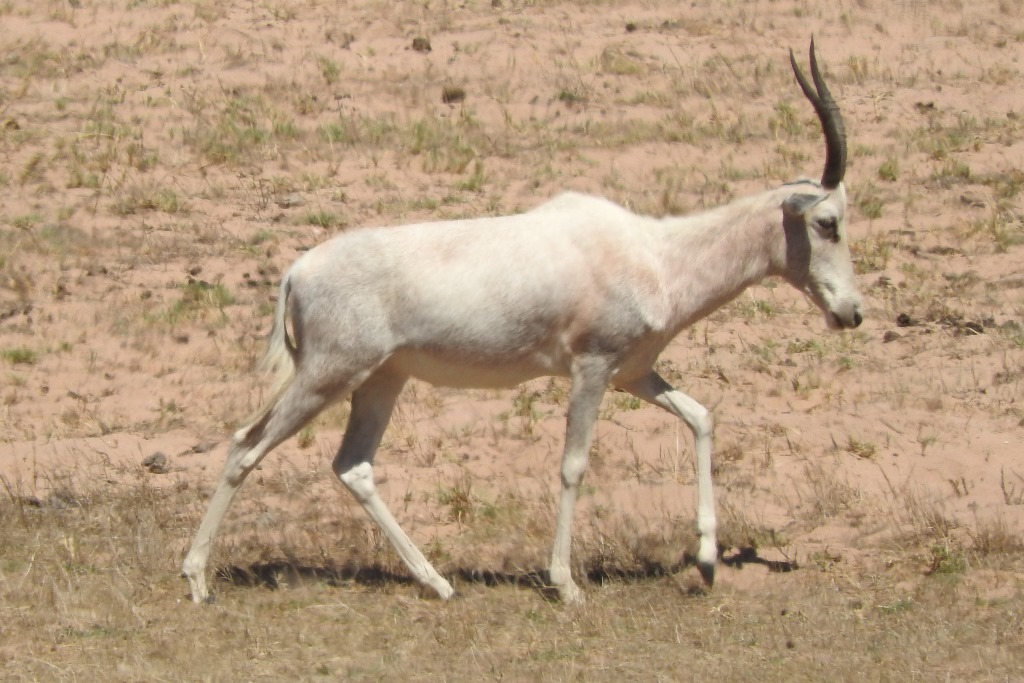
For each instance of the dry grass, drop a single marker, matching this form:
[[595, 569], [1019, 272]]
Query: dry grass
[[88, 590]]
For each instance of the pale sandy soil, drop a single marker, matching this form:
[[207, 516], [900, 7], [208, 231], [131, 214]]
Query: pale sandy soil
[[146, 146]]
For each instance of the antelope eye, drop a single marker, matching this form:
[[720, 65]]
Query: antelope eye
[[830, 227]]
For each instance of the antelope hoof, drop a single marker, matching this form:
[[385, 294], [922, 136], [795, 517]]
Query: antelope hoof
[[198, 591], [445, 592], [707, 572], [570, 594]]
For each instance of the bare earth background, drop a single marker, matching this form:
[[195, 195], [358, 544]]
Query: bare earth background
[[161, 163]]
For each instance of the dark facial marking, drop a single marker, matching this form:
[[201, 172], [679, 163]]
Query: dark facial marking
[[830, 227]]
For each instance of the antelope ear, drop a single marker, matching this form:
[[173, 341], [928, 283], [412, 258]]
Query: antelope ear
[[798, 204]]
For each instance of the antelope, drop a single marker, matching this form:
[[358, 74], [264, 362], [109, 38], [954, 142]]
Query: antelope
[[578, 287]]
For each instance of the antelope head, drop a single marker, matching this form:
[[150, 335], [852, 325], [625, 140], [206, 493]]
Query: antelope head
[[817, 259]]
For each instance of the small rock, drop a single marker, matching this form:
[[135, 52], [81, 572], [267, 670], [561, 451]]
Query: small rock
[[203, 447], [156, 463], [904, 320], [421, 44], [891, 336], [290, 200], [972, 200], [452, 94]]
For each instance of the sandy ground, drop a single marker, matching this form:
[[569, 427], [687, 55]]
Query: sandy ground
[[161, 165]]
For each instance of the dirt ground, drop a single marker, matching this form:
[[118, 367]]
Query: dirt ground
[[162, 163]]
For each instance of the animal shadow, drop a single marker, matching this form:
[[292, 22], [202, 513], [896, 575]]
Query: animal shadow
[[283, 574], [748, 555]]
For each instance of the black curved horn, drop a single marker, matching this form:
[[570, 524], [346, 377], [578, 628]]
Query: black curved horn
[[831, 121]]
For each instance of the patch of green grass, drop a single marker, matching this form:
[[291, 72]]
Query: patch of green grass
[[458, 498], [476, 180], [148, 197], [869, 201], [889, 170], [946, 560], [813, 346], [28, 58], [1005, 230], [325, 219], [261, 236], [1005, 185], [20, 356], [242, 131], [871, 254], [306, 437], [860, 448], [755, 308], [624, 401], [785, 121], [572, 95], [336, 132], [285, 129], [619, 62], [765, 352], [952, 172], [197, 298], [25, 221], [445, 146], [329, 69]]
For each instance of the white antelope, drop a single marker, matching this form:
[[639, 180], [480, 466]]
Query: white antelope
[[578, 287]]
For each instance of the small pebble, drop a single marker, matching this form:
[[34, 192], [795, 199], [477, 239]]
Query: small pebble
[[156, 463]]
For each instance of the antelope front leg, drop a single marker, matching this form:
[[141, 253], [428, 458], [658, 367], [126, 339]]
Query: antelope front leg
[[657, 391], [588, 383]]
